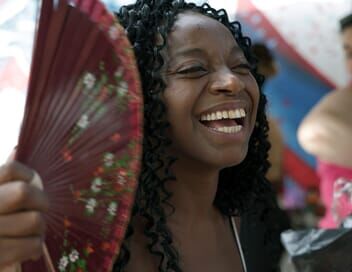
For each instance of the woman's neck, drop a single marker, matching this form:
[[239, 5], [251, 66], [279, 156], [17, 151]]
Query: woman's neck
[[193, 193]]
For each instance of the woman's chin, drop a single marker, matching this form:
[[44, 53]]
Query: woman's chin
[[229, 162]]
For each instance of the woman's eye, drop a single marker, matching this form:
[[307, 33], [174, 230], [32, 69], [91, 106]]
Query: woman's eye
[[192, 70], [243, 68]]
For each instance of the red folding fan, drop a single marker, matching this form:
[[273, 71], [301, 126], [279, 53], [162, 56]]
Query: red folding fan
[[82, 132]]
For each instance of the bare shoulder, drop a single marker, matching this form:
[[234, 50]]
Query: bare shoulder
[[333, 105], [328, 121], [337, 98]]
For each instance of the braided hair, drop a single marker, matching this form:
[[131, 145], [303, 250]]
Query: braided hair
[[147, 24]]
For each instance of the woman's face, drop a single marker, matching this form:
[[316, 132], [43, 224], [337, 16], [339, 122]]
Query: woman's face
[[211, 96]]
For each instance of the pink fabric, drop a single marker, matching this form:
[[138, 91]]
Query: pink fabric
[[328, 174]]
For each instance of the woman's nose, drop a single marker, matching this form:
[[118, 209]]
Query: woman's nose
[[226, 82]]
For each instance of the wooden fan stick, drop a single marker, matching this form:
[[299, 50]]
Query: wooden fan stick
[[42, 30], [37, 182], [48, 260]]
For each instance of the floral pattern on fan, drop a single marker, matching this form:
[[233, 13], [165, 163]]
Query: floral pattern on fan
[[72, 259], [89, 145], [98, 91], [124, 169]]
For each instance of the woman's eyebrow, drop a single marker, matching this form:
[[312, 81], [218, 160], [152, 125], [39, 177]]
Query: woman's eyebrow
[[199, 52]]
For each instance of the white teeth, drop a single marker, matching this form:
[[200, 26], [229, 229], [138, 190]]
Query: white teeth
[[219, 115], [229, 130], [243, 113], [237, 113]]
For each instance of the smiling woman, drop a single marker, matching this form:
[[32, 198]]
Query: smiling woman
[[208, 78], [205, 145], [202, 203]]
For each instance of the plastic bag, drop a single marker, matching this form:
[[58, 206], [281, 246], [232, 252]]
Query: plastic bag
[[342, 199], [319, 250]]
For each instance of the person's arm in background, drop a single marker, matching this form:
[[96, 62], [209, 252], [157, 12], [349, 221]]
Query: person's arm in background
[[326, 132]]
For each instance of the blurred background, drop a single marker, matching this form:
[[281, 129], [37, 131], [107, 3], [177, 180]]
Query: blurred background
[[303, 37]]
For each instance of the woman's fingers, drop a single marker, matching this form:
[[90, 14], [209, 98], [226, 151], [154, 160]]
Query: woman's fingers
[[16, 192], [32, 224], [15, 171], [22, 225], [19, 250], [18, 196]]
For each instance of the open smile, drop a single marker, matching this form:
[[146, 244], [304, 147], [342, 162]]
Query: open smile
[[229, 121]]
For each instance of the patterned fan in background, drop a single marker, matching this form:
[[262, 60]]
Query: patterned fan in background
[[82, 132]]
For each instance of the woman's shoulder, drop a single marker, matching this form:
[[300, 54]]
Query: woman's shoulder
[[339, 95], [333, 105]]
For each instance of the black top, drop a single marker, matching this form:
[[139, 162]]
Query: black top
[[260, 237]]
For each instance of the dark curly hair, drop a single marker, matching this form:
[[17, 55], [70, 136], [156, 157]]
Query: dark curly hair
[[345, 22], [144, 21]]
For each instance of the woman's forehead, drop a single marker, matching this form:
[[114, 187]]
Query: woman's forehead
[[194, 30], [193, 23]]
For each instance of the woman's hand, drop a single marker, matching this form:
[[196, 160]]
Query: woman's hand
[[22, 205]]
